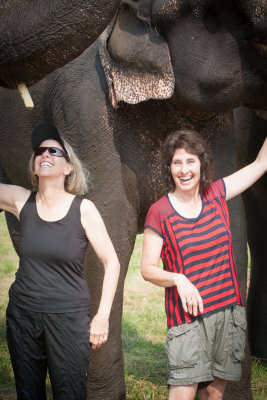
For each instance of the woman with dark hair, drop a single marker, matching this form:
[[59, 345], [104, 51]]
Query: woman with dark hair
[[191, 142], [189, 229], [48, 321]]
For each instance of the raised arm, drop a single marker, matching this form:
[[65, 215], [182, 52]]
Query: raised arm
[[97, 235], [245, 177], [152, 246], [12, 198]]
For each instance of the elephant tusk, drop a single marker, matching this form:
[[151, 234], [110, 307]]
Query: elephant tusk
[[25, 94]]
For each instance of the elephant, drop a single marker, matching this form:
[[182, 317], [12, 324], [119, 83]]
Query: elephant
[[250, 129], [30, 51], [158, 66]]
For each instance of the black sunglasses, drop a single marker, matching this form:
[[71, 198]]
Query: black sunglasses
[[53, 151]]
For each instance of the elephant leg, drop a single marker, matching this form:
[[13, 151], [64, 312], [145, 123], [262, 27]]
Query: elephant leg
[[106, 376], [226, 163], [255, 203], [240, 390], [251, 127], [257, 297]]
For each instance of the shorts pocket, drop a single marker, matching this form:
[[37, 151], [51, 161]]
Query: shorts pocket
[[182, 346], [239, 333]]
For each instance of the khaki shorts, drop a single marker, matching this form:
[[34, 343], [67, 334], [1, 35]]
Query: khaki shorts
[[208, 347]]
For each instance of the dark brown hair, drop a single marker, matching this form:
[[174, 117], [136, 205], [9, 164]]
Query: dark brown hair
[[192, 142]]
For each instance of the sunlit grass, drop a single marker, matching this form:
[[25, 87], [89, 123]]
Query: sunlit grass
[[259, 379]]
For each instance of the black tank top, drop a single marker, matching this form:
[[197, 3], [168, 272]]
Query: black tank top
[[50, 275]]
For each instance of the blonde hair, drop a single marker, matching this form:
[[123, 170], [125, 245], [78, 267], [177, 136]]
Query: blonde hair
[[77, 182]]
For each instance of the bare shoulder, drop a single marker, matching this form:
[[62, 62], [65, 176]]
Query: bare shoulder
[[13, 189], [13, 198], [20, 196], [89, 212], [87, 206], [91, 220], [19, 192]]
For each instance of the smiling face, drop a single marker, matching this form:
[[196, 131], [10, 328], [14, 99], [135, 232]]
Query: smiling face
[[49, 165], [185, 170]]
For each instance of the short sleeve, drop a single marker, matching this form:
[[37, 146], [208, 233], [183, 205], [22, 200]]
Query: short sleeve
[[153, 220], [215, 190]]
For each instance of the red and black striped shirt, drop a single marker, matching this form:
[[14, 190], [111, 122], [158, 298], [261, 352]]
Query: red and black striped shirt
[[201, 249]]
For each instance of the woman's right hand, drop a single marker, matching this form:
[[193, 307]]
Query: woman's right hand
[[190, 297], [99, 328]]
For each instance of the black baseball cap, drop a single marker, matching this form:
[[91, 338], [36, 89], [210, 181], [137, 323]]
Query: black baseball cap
[[44, 132]]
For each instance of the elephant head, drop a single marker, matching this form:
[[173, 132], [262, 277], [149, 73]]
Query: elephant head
[[38, 36], [212, 54]]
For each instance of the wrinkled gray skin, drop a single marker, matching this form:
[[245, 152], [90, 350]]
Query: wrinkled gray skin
[[116, 103], [38, 36], [251, 129]]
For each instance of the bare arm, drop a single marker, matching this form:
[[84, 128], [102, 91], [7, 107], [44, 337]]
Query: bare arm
[[98, 237], [188, 293], [245, 177], [13, 198]]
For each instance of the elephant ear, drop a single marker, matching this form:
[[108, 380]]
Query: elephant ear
[[136, 61]]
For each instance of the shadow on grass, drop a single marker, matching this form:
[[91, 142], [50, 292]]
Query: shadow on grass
[[143, 358]]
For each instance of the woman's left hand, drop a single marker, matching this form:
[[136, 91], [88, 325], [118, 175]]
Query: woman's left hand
[[98, 331]]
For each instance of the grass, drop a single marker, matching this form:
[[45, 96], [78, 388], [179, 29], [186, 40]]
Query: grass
[[143, 337], [8, 267], [143, 334], [259, 379]]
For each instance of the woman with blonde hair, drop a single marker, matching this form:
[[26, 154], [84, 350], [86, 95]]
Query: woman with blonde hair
[[48, 322]]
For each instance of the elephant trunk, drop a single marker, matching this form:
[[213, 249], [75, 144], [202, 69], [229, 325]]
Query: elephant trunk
[[38, 36]]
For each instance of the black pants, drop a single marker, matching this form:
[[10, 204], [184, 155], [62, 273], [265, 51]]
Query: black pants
[[58, 343]]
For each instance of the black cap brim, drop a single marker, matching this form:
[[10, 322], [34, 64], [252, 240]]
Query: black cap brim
[[44, 132]]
